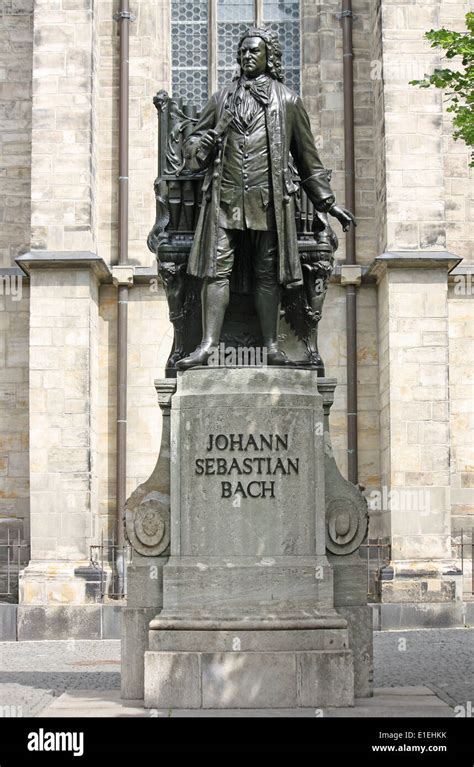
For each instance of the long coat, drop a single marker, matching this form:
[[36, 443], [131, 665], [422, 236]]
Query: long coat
[[288, 130]]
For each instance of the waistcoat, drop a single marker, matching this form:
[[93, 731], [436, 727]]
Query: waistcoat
[[246, 191]]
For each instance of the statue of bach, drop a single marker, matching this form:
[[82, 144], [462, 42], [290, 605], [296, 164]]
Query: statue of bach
[[248, 137]]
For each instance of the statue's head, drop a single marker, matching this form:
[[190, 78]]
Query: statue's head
[[259, 52]]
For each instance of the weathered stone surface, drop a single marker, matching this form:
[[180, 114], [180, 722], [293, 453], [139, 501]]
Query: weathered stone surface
[[325, 679], [49, 582], [212, 404], [247, 591], [135, 621], [144, 600], [360, 624], [8, 621], [350, 580], [14, 404], [423, 590], [222, 641], [111, 621], [350, 600], [16, 63], [469, 615], [245, 585], [145, 582], [58, 622], [428, 615], [248, 680], [239, 552], [147, 511], [172, 680]]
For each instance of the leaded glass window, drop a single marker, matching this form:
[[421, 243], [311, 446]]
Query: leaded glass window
[[283, 17], [233, 18], [204, 36], [189, 49]]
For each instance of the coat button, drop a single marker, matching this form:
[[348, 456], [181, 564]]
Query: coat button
[[246, 187], [217, 161], [215, 175], [286, 199]]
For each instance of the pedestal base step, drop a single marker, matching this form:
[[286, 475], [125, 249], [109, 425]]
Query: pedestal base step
[[271, 679]]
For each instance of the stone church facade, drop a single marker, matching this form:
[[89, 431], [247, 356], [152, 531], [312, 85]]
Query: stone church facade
[[59, 283]]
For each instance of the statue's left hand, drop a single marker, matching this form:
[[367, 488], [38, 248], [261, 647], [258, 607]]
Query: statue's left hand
[[345, 217]]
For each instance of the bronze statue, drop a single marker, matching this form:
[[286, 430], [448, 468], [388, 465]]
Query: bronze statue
[[247, 138]]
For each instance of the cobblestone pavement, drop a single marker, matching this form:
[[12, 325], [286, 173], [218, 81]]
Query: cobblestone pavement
[[32, 674], [442, 659]]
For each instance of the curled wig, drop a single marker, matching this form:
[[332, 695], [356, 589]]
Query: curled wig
[[273, 48]]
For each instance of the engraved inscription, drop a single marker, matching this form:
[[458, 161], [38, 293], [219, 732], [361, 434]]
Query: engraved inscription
[[256, 470]]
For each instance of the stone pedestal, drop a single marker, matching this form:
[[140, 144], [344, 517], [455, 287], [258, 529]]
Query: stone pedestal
[[147, 526], [248, 617]]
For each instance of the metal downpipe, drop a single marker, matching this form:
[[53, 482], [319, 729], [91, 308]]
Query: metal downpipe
[[351, 305], [123, 18]]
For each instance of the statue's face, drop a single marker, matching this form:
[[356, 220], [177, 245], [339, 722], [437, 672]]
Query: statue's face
[[253, 56]]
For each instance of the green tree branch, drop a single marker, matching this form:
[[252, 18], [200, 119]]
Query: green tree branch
[[458, 84]]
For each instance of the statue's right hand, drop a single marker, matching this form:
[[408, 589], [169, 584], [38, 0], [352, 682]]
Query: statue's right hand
[[208, 141]]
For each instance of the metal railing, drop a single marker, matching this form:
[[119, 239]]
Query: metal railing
[[14, 556], [377, 554], [111, 560], [464, 550]]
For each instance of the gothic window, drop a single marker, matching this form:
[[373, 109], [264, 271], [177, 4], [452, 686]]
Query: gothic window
[[204, 34]]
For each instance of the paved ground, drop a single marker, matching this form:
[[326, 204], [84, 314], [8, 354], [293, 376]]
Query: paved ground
[[34, 674], [393, 702], [443, 659]]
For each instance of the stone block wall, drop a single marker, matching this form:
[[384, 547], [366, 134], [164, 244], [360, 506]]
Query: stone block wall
[[461, 403], [16, 61], [383, 327], [149, 344], [322, 90], [107, 128], [149, 72], [415, 404], [14, 409], [376, 72], [64, 386], [107, 410], [332, 343], [63, 152], [427, 174], [458, 176]]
